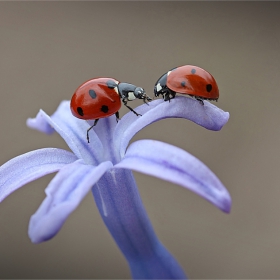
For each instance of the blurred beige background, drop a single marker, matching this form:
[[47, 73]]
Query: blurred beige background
[[48, 49]]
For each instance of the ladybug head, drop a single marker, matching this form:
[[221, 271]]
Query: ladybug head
[[160, 86], [141, 94], [158, 90]]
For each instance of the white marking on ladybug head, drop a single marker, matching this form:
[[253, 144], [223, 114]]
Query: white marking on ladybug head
[[116, 90], [130, 95], [159, 87]]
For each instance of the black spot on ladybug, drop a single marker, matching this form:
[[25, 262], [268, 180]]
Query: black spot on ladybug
[[111, 84], [193, 71], [80, 111], [92, 93], [208, 87], [183, 83], [104, 109]]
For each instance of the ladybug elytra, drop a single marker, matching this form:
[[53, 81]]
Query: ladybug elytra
[[187, 79]]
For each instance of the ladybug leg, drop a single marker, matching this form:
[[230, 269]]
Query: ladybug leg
[[125, 104], [147, 98], [169, 94], [200, 100], [166, 97], [94, 124], [172, 93], [117, 114]]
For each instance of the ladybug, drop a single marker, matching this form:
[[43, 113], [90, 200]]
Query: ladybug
[[187, 79], [101, 97]]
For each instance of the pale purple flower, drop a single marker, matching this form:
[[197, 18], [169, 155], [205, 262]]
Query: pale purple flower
[[104, 166]]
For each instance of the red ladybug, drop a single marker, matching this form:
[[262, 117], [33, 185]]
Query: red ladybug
[[187, 79], [101, 97]]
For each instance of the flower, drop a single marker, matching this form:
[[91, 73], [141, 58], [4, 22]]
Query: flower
[[104, 166]]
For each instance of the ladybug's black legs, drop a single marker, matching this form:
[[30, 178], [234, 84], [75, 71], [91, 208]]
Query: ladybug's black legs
[[200, 100], [94, 124], [168, 94], [125, 104], [117, 114]]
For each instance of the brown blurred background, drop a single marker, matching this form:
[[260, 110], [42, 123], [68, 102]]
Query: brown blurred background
[[48, 49]]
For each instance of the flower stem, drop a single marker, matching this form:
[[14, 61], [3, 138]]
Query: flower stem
[[119, 203]]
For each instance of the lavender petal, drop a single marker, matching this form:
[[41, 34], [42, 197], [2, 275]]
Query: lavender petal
[[30, 166], [64, 194], [173, 164], [208, 115], [72, 130], [119, 203]]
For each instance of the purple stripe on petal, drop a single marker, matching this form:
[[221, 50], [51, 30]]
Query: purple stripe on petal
[[208, 115], [64, 194], [173, 164], [30, 166]]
